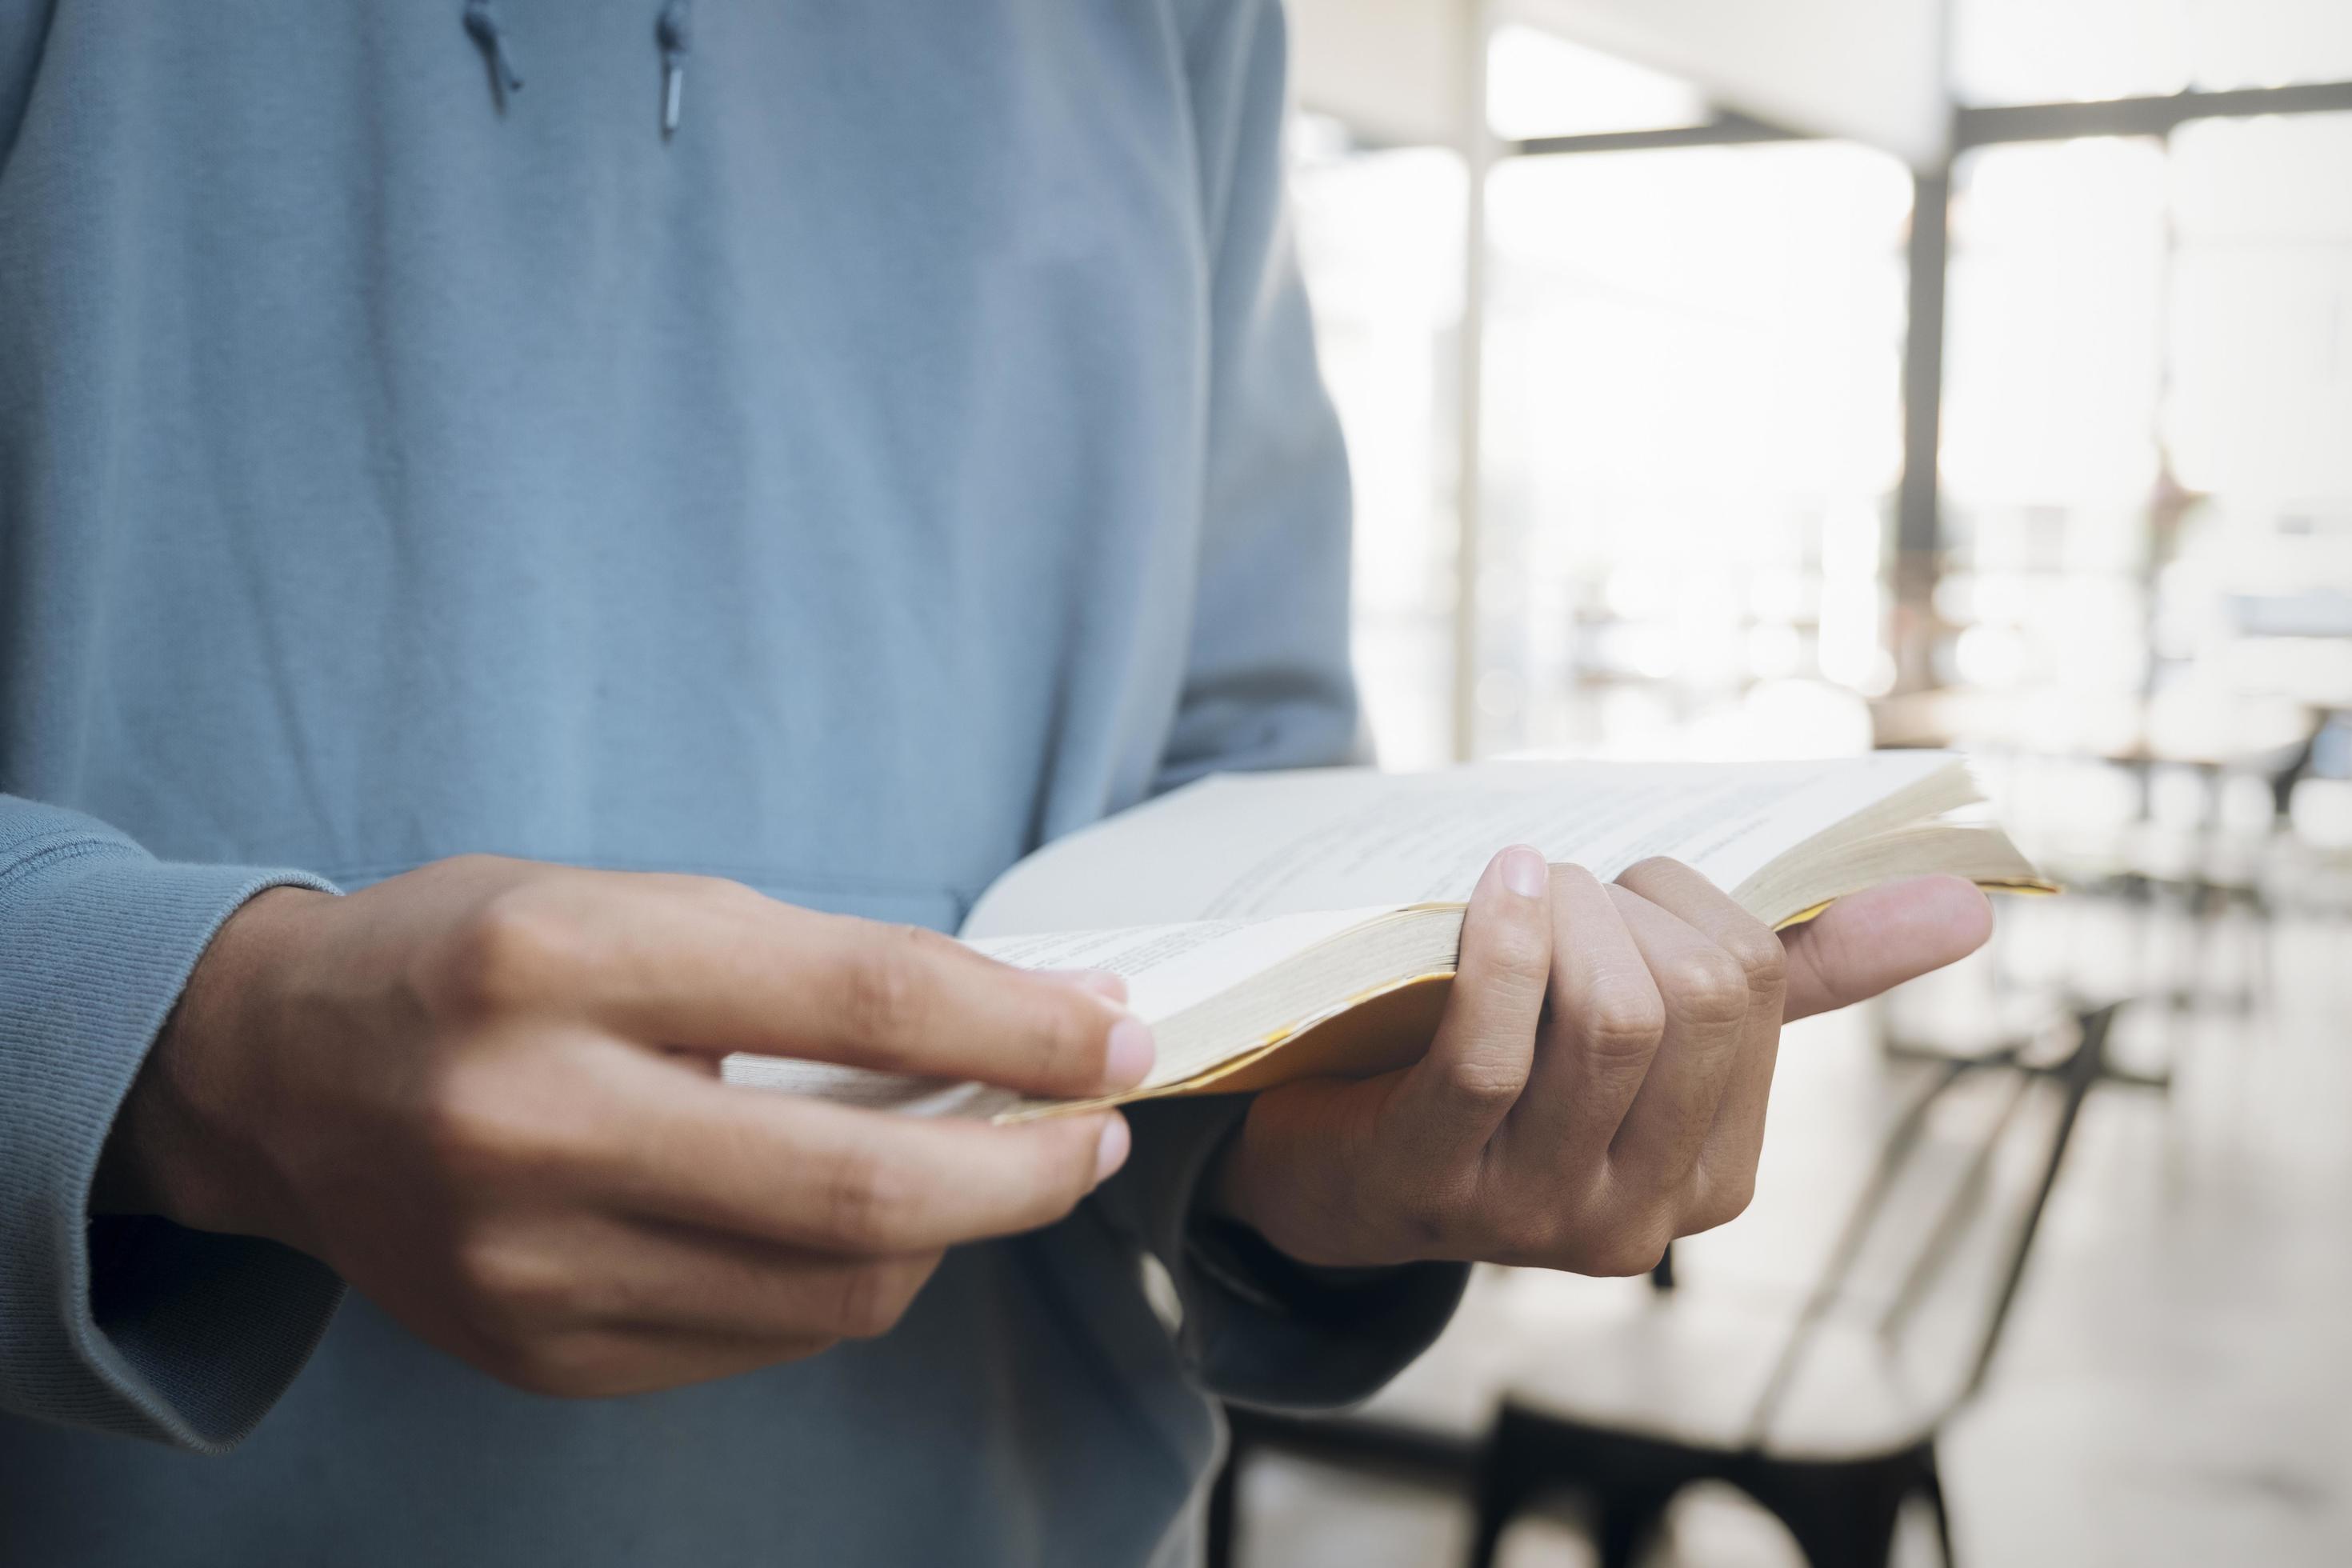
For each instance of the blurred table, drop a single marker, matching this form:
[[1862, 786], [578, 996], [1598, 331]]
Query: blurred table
[[2187, 726]]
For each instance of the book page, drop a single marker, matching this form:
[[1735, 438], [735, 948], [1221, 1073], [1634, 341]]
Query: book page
[[1239, 846]]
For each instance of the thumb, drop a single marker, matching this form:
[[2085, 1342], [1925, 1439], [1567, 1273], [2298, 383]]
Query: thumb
[[1873, 941], [1460, 1091]]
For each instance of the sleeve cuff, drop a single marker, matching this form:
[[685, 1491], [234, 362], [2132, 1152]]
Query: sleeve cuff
[[1260, 1327], [130, 1325]]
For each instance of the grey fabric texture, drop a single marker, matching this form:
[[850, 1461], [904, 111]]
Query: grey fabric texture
[[99, 939], [915, 454], [1286, 1336]]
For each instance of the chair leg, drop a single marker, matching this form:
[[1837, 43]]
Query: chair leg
[[1625, 1522], [1860, 1538], [1502, 1487], [1223, 1525], [1844, 1517], [1931, 1486]]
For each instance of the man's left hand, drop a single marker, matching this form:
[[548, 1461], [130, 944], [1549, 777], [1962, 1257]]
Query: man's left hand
[[1598, 1085]]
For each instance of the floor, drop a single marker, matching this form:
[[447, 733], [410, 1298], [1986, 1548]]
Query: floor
[[2175, 1385]]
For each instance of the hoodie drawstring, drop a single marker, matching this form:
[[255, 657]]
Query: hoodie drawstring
[[673, 32], [482, 27]]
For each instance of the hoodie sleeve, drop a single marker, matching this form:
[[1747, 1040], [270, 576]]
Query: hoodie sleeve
[[1258, 1327], [127, 1325], [1267, 685]]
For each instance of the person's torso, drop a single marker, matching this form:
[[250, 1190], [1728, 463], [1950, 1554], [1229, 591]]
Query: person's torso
[[808, 498]]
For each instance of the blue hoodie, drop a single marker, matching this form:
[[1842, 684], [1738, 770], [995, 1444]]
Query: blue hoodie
[[834, 446]]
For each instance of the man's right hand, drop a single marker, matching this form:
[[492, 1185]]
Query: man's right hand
[[487, 1094]]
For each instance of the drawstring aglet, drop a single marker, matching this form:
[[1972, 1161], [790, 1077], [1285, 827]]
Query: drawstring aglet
[[482, 27], [674, 31]]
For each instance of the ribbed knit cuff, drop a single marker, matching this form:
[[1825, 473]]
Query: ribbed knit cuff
[[181, 1336], [1260, 1327]]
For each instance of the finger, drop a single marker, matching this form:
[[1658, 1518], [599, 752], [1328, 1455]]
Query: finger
[[1600, 1030], [1706, 1006], [1727, 1161], [1871, 941], [834, 1178], [1454, 1097], [709, 966], [1102, 983]]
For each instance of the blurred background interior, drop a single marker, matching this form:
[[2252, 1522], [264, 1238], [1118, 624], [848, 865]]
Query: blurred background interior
[[1751, 378]]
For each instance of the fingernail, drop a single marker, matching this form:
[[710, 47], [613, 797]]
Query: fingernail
[[1131, 1054], [1110, 1153], [1101, 981], [1524, 873]]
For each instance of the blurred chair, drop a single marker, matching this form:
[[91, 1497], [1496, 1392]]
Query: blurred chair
[[2179, 852], [1830, 1420]]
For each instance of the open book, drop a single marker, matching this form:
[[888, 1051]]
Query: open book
[[1278, 926]]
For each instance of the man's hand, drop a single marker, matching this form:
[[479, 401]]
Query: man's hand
[[1598, 1085], [486, 1094]]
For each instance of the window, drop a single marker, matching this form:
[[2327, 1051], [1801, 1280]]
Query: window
[[1691, 400], [1693, 382], [1380, 239], [2052, 371], [2061, 51]]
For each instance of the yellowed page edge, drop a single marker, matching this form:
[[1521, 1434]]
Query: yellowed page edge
[[1359, 1038]]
